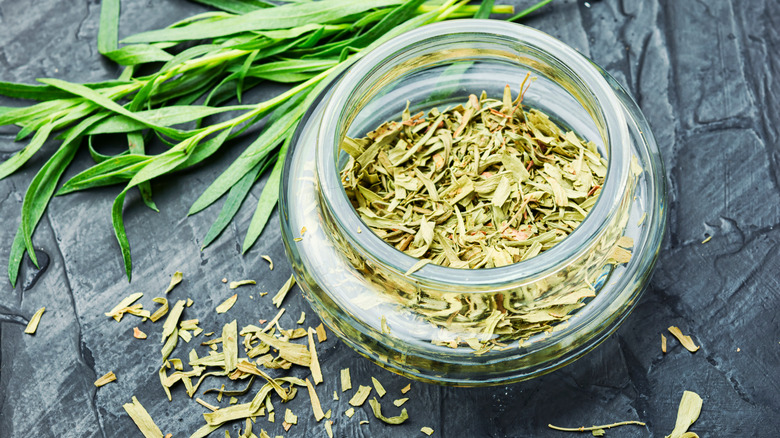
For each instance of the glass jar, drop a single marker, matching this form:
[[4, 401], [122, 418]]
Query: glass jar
[[430, 325]]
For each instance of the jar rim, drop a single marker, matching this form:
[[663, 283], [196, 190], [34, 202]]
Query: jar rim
[[372, 247]]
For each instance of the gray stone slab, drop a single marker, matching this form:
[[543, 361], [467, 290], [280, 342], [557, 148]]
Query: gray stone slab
[[705, 74]]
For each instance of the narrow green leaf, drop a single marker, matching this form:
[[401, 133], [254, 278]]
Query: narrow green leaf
[[400, 14], [234, 200], [114, 170], [529, 10], [237, 6], [274, 132], [166, 116], [135, 144], [484, 9], [39, 194], [40, 110], [205, 150], [18, 159], [268, 197], [242, 74], [282, 17], [109, 26], [45, 92], [159, 165], [99, 99], [135, 54]]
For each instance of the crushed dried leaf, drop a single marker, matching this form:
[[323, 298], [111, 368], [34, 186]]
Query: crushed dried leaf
[[175, 279], [227, 304], [32, 325], [105, 378], [236, 284], [142, 419], [377, 409], [685, 340]]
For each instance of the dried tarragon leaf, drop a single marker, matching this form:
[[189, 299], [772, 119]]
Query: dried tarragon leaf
[[105, 378], [32, 325], [685, 340], [279, 297], [349, 412], [230, 345], [399, 402], [378, 386], [159, 313], [377, 408], [270, 262], [227, 304], [175, 279], [321, 335], [138, 334], [360, 396], [406, 388], [687, 414], [315, 401], [596, 430], [142, 419], [316, 373], [346, 381], [236, 284], [663, 343], [427, 430], [120, 309]]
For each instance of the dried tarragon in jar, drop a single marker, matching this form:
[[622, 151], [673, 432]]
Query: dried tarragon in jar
[[481, 185]]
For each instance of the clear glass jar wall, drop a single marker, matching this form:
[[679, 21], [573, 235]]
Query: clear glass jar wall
[[409, 324]]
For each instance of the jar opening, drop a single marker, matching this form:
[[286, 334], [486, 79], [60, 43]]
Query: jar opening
[[433, 66]]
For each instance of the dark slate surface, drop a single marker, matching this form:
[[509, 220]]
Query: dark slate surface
[[704, 73]]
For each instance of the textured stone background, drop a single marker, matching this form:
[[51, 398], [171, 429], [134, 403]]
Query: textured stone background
[[706, 76]]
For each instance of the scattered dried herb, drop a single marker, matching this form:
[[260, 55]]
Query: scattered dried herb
[[32, 325], [289, 417], [595, 429], [120, 309], [105, 378], [227, 304], [687, 414], [321, 335], [270, 262], [302, 318], [142, 419], [236, 284], [360, 396], [427, 430], [377, 409], [329, 428], [378, 387], [316, 373], [685, 340], [205, 404], [707, 239], [406, 388], [315, 401], [159, 313], [663, 343], [399, 402], [349, 412], [346, 381], [138, 334], [176, 278], [279, 297]]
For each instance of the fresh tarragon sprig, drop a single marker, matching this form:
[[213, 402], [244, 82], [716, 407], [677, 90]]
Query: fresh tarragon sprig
[[229, 51]]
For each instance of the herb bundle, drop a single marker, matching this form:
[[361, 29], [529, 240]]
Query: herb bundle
[[198, 65], [483, 185]]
